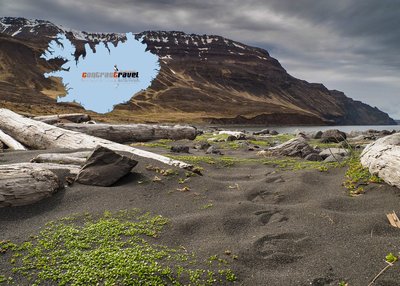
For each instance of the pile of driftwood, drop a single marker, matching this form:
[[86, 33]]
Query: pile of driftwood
[[25, 183]]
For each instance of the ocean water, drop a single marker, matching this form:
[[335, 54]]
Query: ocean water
[[309, 129]]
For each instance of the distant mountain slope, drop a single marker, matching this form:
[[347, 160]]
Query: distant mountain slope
[[202, 78]]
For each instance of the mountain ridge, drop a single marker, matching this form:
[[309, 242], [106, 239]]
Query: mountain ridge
[[203, 78]]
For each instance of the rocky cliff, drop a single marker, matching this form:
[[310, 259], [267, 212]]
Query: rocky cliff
[[203, 78]]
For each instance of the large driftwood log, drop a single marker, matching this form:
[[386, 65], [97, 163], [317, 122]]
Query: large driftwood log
[[26, 183], [76, 158], [11, 142], [382, 158], [40, 135], [128, 133], [73, 117]]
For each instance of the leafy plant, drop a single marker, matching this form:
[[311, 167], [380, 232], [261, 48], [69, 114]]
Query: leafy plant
[[357, 175], [391, 258], [114, 249]]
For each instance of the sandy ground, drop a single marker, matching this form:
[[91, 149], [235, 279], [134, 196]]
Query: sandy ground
[[286, 227]]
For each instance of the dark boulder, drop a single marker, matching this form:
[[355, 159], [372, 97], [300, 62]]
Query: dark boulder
[[213, 150], [273, 132], [333, 136], [180, 149], [318, 135], [104, 167], [313, 157]]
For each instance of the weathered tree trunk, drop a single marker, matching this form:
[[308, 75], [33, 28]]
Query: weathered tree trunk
[[76, 158], [382, 158], [133, 132], [40, 135], [27, 183], [73, 117], [11, 142]]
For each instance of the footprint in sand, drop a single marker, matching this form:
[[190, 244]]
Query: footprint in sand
[[282, 248], [267, 216], [265, 196]]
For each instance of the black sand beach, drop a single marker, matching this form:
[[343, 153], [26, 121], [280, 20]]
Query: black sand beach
[[285, 227]]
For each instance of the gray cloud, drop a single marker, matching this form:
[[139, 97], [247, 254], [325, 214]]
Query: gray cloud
[[349, 45]]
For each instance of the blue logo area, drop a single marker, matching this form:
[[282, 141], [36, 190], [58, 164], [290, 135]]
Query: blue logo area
[[105, 78]]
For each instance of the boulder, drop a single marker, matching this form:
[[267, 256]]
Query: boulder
[[334, 158], [333, 135], [261, 132], [104, 167], [318, 135], [180, 149], [296, 147], [202, 146], [213, 150], [231, 138], [273, 132], [334, 151], [313, 157], [382, 158]]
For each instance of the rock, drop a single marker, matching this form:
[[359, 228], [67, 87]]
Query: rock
[[296, 147], [386, 132], [314, 157], [335, 151], [104, 167], [231, 138], [180, 149], [334, 158], [239, 135], [273, 132], [318, 135], [382, 158], [261, 132], [213, 150], [202, 146], [333, 135], [2, 147]]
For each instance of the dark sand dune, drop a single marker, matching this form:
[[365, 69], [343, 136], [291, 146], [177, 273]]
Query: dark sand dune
[[287, 228]]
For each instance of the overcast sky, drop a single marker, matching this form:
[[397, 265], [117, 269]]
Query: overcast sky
[[348, 45]]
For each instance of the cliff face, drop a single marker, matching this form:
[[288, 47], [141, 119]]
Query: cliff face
[[202, 78]]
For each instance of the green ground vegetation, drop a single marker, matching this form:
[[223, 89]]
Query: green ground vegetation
[[112, 249], [357, 176]]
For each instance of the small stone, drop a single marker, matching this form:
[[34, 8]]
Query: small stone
[[180, 149], [314, 157]]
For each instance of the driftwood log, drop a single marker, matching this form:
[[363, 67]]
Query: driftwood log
[[11, 143], [382, 158], [73, 117], [76, 158], [40, 135], [128, 133], [26, 183]]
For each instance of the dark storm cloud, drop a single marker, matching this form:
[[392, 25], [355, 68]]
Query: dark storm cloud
[[350, 45]]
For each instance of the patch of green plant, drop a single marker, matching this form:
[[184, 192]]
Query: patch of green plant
[[357, 176], [162, 143], [284, 163], [113, 249], [207, 206], [391, 258], [206, 136], [318, 143]]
